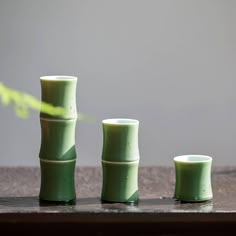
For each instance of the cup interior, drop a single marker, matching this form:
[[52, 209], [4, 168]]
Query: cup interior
[[120, 121], [58, 77], [192, 158]]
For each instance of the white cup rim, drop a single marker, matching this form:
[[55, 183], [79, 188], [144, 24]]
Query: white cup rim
[[58, 77], [192, 158], [120, 121]]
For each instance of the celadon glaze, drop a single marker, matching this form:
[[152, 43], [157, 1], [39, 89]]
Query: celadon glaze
[[120, 182], [60, 91], [120, 160], [120, 140], [57, 151], [57, 180], [193, 178], [58, 139]]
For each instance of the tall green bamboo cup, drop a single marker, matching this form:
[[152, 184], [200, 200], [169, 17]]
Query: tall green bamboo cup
[[193, 178], [57, 151], [120, 160]]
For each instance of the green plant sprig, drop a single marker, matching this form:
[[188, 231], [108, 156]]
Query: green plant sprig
[[23, 102]]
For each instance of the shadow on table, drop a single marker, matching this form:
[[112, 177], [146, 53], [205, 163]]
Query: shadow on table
[[157, 201], [95, 203], [31, 201], [226, 172]]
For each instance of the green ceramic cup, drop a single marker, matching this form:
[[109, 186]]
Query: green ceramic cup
[[120, 160], [120, 182], [120, 140], [193, 178], [57, 181], [60, 91], [57, 150], [57, 139]]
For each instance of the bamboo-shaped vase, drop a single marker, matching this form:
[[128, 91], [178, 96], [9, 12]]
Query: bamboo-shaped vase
[[57, 151]]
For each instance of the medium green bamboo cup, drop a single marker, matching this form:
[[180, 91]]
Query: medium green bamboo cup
[[120, 181], [193, 178], [57, 181], [120, 140], [120, 160], [60, 91], [57, 139]]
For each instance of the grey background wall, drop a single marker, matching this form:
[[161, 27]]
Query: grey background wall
[[170, 64]]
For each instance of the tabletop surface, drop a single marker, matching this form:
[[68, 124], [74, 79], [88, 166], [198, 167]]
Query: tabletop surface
[[19, 189]]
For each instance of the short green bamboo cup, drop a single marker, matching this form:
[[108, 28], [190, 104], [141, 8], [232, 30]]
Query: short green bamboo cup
[[57, 181], [120, 140], [120, 182], [57, 139], [193, 178], [59, 91]]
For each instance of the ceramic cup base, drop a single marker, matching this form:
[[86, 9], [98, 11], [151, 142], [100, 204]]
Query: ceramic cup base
[[193, 200], [120, 182], [57, 181], [57, 203], [130, 203]]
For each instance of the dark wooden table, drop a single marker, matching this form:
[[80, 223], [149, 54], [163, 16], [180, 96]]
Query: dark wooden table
[[157, 213]]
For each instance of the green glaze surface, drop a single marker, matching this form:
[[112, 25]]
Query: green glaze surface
[[57, 139], [57, 181], [193, 178], [57, 150], [60, 91], [120, 182], [120, 140]]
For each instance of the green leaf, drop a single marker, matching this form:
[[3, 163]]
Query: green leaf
[[23, 102]]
